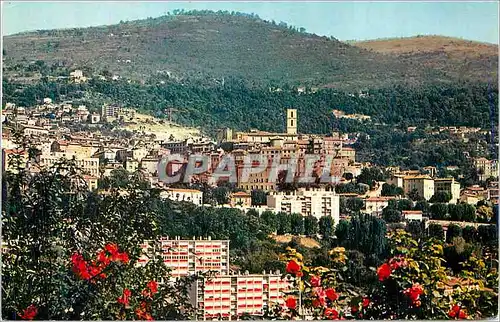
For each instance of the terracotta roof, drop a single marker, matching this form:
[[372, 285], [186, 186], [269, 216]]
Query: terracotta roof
[[183, 190], [241, 194]]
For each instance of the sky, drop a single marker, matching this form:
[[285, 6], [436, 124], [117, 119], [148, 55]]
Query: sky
[[343, 20]]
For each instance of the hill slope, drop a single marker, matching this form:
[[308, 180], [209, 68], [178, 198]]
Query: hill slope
[[457, 57], [214, 45]]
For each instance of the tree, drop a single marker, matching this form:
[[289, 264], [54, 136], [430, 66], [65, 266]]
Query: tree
[[326, 227], [488, 235], [221, 195], [415, 228], [391, 215], [259, 197], [452, 232], [270, 220], [355, 204], [439, 211], [414, 195], [310, 225], [284, 223], [342, 231], [391, 190], [79, 250], [436, 231], [405, 204], [469, 233], [422, 205], [297, 224], [440, 196], [370, 176]]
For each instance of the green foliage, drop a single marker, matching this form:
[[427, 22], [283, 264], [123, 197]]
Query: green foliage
[[440, 196], [326, 227], [452, 232], [363, 233], [439, 211], [259, 197], [391, 190], [310, 226], [436, 231], [369, 176], [50, 217], [391, 215]]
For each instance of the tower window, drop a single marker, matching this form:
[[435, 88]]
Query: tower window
[[291, 122], [291, 113]]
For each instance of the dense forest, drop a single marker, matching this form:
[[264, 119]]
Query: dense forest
[[241, 107]]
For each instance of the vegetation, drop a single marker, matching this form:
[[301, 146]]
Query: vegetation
[[209, 46]]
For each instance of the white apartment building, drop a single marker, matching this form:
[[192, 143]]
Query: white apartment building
[[186, 257], [88, 165], [228, 297], [178, 194], [315, 202]]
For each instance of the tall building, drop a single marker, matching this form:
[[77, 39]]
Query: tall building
[[220, 294], [291, 121], [188, 257], [422, 184], [228, 297]]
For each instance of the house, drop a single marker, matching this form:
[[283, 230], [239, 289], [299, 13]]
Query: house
[[178, 194], [375, 205], [423, 185], [448, 185], [412, 215], [242, 199]]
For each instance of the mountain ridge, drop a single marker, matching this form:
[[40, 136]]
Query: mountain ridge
[[214, 45]]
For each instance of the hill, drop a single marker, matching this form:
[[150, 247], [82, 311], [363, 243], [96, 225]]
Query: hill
[[458, 57], [208, 45]]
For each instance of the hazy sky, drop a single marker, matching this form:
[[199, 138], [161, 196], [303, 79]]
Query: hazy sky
[[343, 20]]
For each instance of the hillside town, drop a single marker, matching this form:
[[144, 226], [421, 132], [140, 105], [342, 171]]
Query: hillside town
[[213, 165]]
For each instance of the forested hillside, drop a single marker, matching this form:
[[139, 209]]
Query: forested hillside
[[213, 45]]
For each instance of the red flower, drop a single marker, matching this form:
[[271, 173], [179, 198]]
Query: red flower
[[315, 281], [292, 267], [454, 311], [123, 257], [299, 274], [366, 302], [29, 313], [414, 292], [462, 315], [112, 249], [103, 258], [331, 294], [383, 272], [316, 303], [354, 309], [331, 313], [397, 262], [124, 299], [153, 286], [80, 266], [290, 302]]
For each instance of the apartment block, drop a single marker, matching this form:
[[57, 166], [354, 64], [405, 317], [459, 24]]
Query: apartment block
[[306, 201], [89, 165], [228, 297], [187, 257]]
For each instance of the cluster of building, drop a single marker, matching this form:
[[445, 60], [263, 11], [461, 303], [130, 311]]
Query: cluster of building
[[222, 294]]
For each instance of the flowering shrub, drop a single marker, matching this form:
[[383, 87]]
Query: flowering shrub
[[70, 254], [412, 283]]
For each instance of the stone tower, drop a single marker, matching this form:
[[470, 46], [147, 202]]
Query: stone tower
[[291, 121]]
